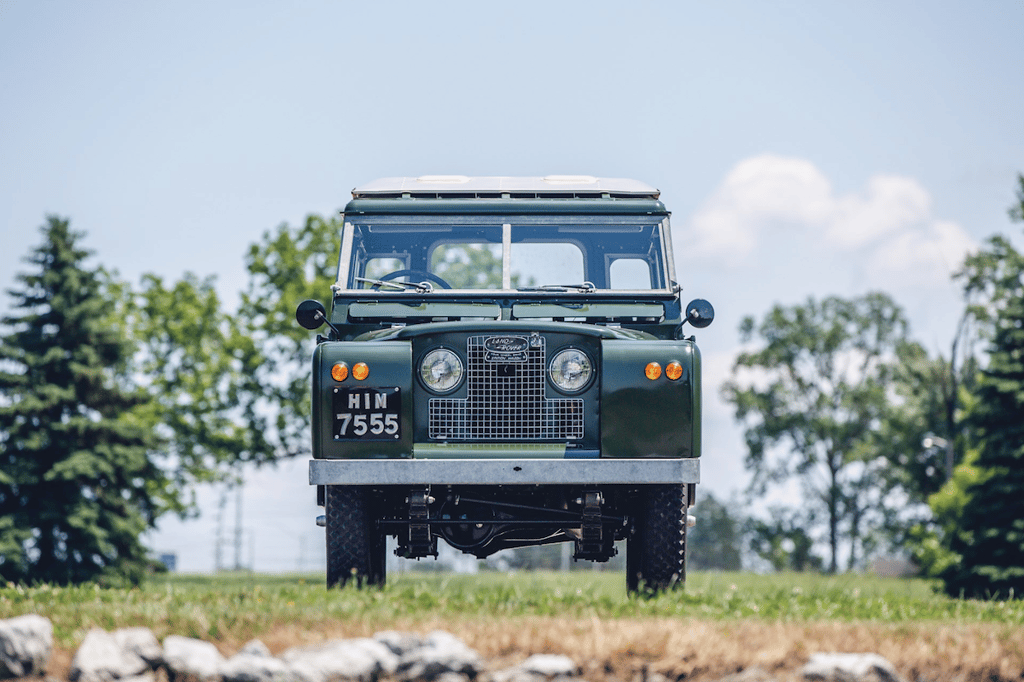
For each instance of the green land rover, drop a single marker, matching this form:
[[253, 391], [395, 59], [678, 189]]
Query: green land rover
[[507, 365]]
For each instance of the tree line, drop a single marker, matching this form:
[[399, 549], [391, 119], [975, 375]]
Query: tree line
[[887, 447], [117, 399]]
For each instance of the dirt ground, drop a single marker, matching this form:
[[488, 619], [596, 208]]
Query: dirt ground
[[617, 650]]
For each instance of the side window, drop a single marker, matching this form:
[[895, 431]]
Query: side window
[[630, 273]]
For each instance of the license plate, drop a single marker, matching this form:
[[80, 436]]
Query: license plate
[[367, 414]]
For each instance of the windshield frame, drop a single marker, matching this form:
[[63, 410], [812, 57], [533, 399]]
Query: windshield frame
[[508, 224]]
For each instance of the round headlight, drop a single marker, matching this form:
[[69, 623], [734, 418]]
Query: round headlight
[[441, 370], [570, 370]]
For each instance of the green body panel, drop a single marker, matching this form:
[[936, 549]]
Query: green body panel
[[395, 309], [390, 365], [645, 418], [638, 418], [697, 416], [505, 207]]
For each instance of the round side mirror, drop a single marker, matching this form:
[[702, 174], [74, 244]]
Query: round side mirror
[[311, 314], [700, 313]]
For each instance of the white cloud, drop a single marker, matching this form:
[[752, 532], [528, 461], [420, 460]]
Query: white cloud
[[922, 257], [888, 206], [760, 193], [886, 231]]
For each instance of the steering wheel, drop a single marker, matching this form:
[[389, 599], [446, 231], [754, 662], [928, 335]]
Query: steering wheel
[[415, 273]]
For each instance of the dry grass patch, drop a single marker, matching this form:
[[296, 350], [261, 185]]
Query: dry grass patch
[[685, 649], [720, 624]]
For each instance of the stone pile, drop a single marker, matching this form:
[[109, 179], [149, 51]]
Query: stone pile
[[135, 655]]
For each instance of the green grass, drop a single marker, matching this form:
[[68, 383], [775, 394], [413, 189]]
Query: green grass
[[237, 606]]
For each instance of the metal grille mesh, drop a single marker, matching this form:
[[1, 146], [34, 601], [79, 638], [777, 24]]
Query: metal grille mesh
[[505, 401]]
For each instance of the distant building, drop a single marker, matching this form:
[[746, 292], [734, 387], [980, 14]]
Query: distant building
[[169, 560], [893, 567]]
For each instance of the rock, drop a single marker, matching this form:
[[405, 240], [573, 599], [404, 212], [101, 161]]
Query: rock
[[549, 666], [342, 659], [651, 676], [246, 667], [26, 643], [539, 668], [439, 653], [400, 643], [141, 642], [255, 648], [849, 668], [191, 660], [101, 658]]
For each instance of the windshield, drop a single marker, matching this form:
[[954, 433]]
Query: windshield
[[526, 253]]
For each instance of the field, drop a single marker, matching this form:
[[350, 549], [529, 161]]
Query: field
[[721, 623]]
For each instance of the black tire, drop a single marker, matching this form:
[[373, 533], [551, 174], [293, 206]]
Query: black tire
[[656, 549], [355, 547]]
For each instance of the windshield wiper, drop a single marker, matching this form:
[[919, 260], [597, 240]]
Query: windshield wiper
[[425, 287], [584, 287]]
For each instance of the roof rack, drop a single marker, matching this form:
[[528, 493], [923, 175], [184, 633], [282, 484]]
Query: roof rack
[[497, 187]]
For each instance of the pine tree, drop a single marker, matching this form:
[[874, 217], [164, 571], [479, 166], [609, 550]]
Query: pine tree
[[78, 481], [990, 538]]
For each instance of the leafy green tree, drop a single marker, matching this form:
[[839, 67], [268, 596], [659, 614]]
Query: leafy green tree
[[783, 542], [193, 354], [988, 541], [715, 543], [922, 434], [288, 266], [812, 396], [922, 422], [78, 483], [930, 541]]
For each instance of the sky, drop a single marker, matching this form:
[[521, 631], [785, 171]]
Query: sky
[[805, 149]]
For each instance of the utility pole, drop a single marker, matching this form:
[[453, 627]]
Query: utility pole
[[238, 527], [218, 545]]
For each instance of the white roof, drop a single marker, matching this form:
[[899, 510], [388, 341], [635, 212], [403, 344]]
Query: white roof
[[441, 185]]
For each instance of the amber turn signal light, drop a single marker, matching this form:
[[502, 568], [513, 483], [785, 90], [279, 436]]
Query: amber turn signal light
[[339, 372], [360, 371], [653, 370], [673, 370]]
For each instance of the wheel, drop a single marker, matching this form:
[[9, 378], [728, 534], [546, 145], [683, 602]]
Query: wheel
[[411, 274], [656, 549], [355, 547]]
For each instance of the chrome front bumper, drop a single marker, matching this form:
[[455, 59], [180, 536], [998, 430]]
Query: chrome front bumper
[[502, 471]]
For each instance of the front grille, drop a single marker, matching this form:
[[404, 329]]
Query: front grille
[[505, 396]]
